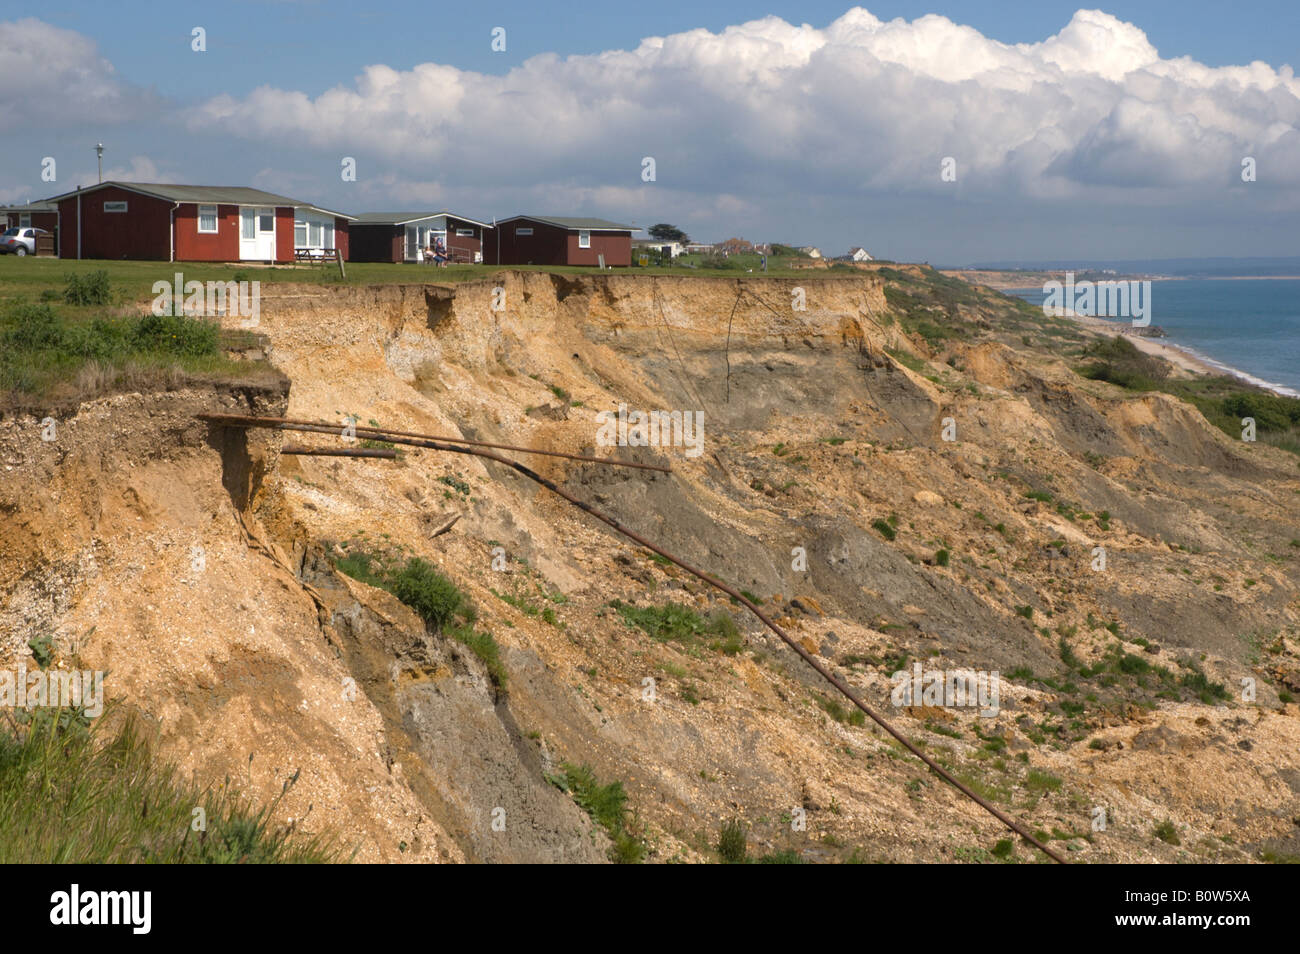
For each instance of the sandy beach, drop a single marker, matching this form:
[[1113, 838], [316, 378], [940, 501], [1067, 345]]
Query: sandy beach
[[1179, 357]]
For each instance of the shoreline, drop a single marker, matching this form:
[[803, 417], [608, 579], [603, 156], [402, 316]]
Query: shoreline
[[1180, 356]]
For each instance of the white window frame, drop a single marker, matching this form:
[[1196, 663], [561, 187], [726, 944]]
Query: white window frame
[[115, 207], [300, 224], [525, 231], [464, 233], [216, 219], [584, 238]]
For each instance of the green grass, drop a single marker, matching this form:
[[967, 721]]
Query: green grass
[[443, 606], [607, 807], [732, 847], [58, 352], [87, 796], [1167, 833], [676, 623], [30, 276], [884, 529]]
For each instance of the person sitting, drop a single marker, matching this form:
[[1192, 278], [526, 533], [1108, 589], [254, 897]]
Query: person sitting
[[426, 255], [439, 252]]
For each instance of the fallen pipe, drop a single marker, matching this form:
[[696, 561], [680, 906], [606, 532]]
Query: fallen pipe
[[374, 433], [339, 451], [735, 594]]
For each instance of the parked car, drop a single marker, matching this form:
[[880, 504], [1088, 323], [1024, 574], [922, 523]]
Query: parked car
[[19, 241]]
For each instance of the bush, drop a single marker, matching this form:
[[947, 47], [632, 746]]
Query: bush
[[434, 597], [1167, 833], [1272, 412], [943, 558], [1121, 362], [92, 288], [33, 327], [681, 623], [607, 807], [177, 334], [884, 529], [731, 842]]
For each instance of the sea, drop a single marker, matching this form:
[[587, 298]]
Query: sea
[[1247, 327]]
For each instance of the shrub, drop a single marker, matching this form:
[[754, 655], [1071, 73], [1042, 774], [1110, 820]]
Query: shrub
[[884, 529], [607, 806], [681, 623], [434, 597], [92, 288], [731, 842], [942, 557], [177, 334], [1167, 833]]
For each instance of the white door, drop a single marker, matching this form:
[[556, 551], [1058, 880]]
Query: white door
[[412, 244], [257, 234]]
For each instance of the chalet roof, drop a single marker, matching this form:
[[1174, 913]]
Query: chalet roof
[[205, 195], [572, 224], [405, 218]]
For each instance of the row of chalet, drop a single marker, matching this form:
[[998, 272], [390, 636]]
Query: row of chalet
[[183, 223]]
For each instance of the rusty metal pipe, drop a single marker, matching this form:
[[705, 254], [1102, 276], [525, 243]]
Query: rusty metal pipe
[[378, 452], [375, 433], [735, 594]]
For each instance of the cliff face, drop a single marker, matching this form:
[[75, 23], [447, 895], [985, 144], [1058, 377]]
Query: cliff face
[[825, 433]]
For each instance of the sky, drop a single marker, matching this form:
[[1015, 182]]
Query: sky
[[944, 132]]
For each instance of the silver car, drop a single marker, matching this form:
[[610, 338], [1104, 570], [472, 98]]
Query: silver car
[[20, 240]]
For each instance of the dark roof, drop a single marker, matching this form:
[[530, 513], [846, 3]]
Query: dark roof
[[572, 224], [42, 206], [209, 195], [402, 218]]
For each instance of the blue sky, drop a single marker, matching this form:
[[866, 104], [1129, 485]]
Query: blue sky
[[1084, 142]]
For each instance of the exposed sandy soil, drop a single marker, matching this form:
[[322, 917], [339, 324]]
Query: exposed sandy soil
[[813, 432]]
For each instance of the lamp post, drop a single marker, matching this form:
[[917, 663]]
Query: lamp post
[[99, 156]]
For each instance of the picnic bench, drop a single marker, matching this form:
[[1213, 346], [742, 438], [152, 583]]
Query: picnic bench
[[315, 254]]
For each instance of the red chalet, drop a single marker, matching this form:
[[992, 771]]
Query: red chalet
[[184, 223], [537, 240]]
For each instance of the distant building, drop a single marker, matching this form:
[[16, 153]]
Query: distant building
[[400, 236], [673, 248], [698, 248], [812, 251], [859, 254], [40, 215], [734, 246], [556, 240]]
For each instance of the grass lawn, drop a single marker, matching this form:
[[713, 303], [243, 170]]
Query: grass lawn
[[30, 277]]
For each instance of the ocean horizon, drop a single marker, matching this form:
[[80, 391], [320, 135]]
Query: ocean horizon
[[1245, 327]]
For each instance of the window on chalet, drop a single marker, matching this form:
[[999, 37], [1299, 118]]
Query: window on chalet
[[207, 218], [584, 238]]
